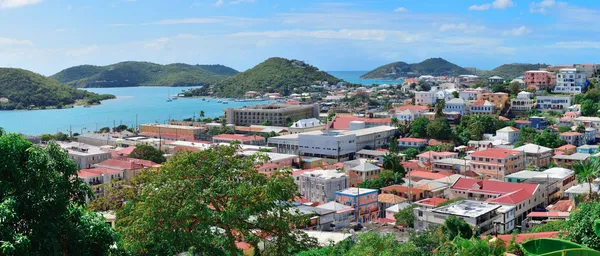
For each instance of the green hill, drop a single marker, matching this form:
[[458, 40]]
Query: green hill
[[511, 70], [25, 89], [131, 73], [432, 66], [273, 75]]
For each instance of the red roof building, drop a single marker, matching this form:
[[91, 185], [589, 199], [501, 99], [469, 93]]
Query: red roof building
[[244, 139], [525, 237], [421, 175], [497, 162], [343, 122], [130, 166], [431, 202]]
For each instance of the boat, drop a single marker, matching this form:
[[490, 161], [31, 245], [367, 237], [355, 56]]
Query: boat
[[203, 99], [173, 98], [169, 100], [218, 101], [87, 106], [225, 102]]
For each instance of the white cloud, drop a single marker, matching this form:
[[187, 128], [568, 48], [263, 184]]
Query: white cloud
[[80, 52], [498, 4], [541, 7], [577, 45], [520, 31], [348, 34], [461, 27], [218, 3], [17, 3], [157, 44], [188, 21], [60, 30], [15, 42], [482, 7], [400, 9], [241, 1]]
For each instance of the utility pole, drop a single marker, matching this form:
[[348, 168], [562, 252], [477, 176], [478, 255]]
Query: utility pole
[[70, 131], [114, 125], [338, 153], [136, 124]]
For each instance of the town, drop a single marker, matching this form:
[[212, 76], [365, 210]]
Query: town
[[508, 155]]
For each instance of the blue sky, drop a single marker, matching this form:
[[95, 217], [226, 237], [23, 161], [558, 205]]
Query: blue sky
[[49, 35]]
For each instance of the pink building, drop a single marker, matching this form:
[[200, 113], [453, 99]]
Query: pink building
[[431, 156], [539, 79], [363, 200]]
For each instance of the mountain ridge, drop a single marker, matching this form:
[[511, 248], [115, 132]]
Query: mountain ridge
[[432, 66]]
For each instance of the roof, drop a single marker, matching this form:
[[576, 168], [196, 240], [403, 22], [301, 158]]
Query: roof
[[412, 140], [87, 174], [433, 153], [325, 174], [431, 201], [467, 208], [122, 164], [523, 237], [576, 156], [549, 214], [480, 103], [430, 185], [570, 134], [398, 207], [356, 191], [450, 179], [335, 206], [568, 146], [365, 166], [372, 152], [390, 199], [428, 175], [238, 137], [508, 129], [523, 174], [343, 122], [456, 101], [562, 206], [507, 192], [102, 171], [533, 148], [496, 153], [412, 107], [496, 77]]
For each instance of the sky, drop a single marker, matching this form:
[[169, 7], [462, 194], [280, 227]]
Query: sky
[[46, 36]]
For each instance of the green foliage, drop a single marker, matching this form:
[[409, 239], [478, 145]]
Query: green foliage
[[104, 129], [427, 240], [586, 172], [527, 134], [455, 94], [42, 205], [406, 217], [59, 136], [579, 226], [432, 66], [273, 75], [451, 201], [384, 179], [511, 70], [456, 227], [330, 116], [472, 127], [149, 153], [589, 108], [213, 131], [24, 89], [514, 88], [474, 246], [369, 243], [411, 153], [580, 128], [132, 73], [393, 145], [548, 138], [439, 129], [564, 128], [498, 87], [207, 200], [418, 128], [557, 225]]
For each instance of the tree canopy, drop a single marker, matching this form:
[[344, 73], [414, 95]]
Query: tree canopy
[[149, 153]]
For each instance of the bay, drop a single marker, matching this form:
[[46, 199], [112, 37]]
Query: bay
[[149, 103], [354, 77]]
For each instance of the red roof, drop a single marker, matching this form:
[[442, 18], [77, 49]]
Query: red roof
[[503, 118], [239, 137], [562, 206], [433, 153], [428, 175], [127, 164], [385, 220], [167, 135], [87, 174], [479, 103], [570, 134], [549, 214], [508, 192], [496, 153], [432, 201], [293, 102], [343, 122], [568, 146], [522, 121], [102, 171], [522, 237], [402, 189], [412, 140], [413, 107]]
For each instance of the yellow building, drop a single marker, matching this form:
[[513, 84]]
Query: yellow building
[[499, 98]]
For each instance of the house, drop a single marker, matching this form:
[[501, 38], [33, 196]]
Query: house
[[431, 156], [539, 79], [573, 138], [362, 172], [538, 122], [425, 98], [520, 124], [499, 99], [243, 139], [425, 175], [386, 201], [555, 181], [555, 103], [452, 165], [497, 162], [96, 178], [85, 156], [413, 194], [522, 102], [342, 215], [412, 143], [430, 203], [589, 136], [375, 155], [306, 125], [482, 107], [570, 80], [495, 80], [587, 121], [587, 149], [392, 210], [469, 94], [508, 134], [524, 197], [565, 150], [129, 166], [536, 155], [479, 145], [274, 162], [567, 161], [457, 105], [362, 200], [321, 185], [408, 115]]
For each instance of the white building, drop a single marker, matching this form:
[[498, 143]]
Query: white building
[[495, 80], [85, 156], [509, 134], [555, 103], [306, 125], [482, 107], [425, 98], [408, 115], [321, 185], [486, 217], [569, 80], [327, 144], [455, 105]]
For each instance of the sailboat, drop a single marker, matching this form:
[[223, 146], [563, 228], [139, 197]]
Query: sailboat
[[169, 97]]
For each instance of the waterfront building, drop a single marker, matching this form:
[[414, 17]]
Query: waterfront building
[[85, 156], [569, 80], [321, 185], [275, 114], [307, 125]]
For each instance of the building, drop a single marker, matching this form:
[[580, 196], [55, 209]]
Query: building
[[565, 150], [328, 144], [412, 143], [495, 163], [391, 211], [453, 165], [487, 218], [307, 125], [555, 181], [102, 139], [479, 145], [457, 105], [432, 156], [321, 185], [346, 122], [129, 166], [172, 132], [569, 80], [522, 102], [573, 138], [554, 103], [275, 161], [425, 98], [536, 155], [430, 203], [495, 80], [587, 121], [363, 200], [469, 94], [509, 134], [587, 149], [408, 115], [374, 155], [243, 139], [275, 114], [498, 98], [482, 107], [85, 156], [341, 216], [589, 136], [567, 161], [539, 79], [362, 172], [97, 177], [524, 197]]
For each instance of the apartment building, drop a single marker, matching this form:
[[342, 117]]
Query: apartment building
[[587, 121], [432, 156], [495, 163], [509, 134], [569, 80], [456, 105], [536, 155], [499, 99], [469, 94], [555, 181], [425, 98], [573, 138], [275, 114], [321, 185], [362, 200], [97, 177], [539, 79], [495, 80], [307, 125], [524, 197], [486, 218], [85, 156], [412, 143], [567, 161], [482, 107], [555, 103], [522, 102], [365, 170], [453, 165], [172, 132]]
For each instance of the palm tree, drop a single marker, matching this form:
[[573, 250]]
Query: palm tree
[[201, 113], [587, 171]]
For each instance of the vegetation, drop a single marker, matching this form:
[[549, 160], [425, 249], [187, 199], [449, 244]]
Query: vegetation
[[274, 75], [42, 207], [509, 71], [557, 225], [432, 66], [579, 226], [406, 217], [149, 153], [132, 73], [369, 243], [418, 127], [586, 172], [206, 201], [439, 129], [472, 127], [27, 90]]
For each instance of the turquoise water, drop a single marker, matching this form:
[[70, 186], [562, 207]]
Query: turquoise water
[[149, 103], [354, 77]]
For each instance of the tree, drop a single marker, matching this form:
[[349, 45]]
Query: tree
[[210, 199], [393, 162], [514, 88], [149, 153], [393, 145], [266, 123], [394, 121], [439, 129], [418, 128], [406, 217], [439, 108], [456, 227], [330, 116], [564, 128], [42, 204], [586, 172], [580, 128], [589, 108], [548, 139], [455, 94], [498, 87], [527, 134], [473, 246], [201, 113], [368, 243], [410, 153], [104, 130], [579, 226]]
